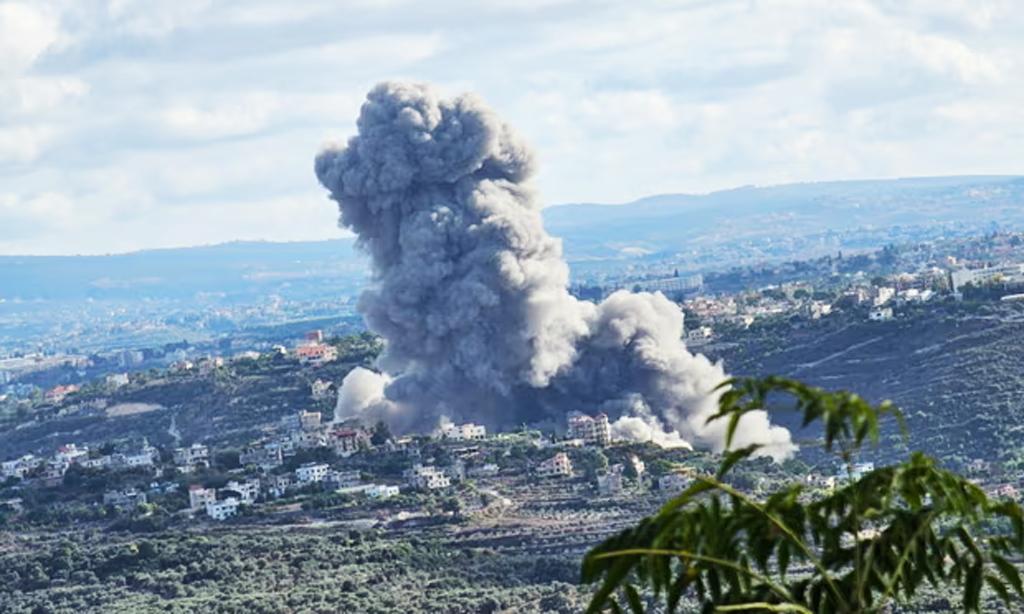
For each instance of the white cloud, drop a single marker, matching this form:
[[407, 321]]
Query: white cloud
[[169, 122]]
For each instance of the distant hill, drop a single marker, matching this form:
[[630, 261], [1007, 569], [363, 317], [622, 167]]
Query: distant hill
[[235, 270], [658, 224], [674, 222]]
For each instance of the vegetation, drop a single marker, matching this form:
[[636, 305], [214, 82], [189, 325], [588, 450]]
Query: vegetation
[[870, 542]]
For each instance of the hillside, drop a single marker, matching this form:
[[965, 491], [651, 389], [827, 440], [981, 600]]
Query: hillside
[[956, 372]]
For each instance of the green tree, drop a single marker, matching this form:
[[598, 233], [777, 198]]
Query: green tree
[[866, 544]]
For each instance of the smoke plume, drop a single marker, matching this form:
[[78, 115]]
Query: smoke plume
[[470, 292]]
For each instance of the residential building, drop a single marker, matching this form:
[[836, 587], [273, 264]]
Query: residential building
[[265, 456], [194, 456], [222, 510], [321, 390], [310, 473], [199, 497], [593, 430], [427, 477], [558, 465], [674, 482], [302, 421], [59, 393], [610, 482], [1008, 273], [70, 453], [348, 441], [883, 295], [124, 499], [117, 380], [316, 354], [381, 491], [278, 485], [247, 492], [464, 432], [342, 479]]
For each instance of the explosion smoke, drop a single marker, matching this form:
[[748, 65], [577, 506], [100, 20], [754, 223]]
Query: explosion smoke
[[470, 292]]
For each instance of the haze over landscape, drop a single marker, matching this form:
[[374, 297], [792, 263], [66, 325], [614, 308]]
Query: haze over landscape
[[544, 306]]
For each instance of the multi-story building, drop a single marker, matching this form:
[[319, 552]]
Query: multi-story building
[[199, 497], [247, 491], [266, 457], [610, 482], [593, 430], [194, 456], [464, 432], [310, 473], [381, 491], [347, 441], [427, 477], [558, 465], [222, 510]]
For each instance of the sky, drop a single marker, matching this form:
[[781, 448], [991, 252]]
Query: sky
[[131, 124]]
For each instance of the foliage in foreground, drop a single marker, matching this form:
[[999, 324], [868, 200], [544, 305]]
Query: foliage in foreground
[[861, 547]]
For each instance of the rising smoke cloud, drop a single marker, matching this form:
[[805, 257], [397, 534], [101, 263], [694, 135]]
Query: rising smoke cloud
[[470, 292]]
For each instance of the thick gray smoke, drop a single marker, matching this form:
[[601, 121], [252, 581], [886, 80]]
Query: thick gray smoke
[[470, 292]]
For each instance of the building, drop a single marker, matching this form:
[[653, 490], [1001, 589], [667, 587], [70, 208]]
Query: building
[[71, 453], [194, 456], [311, 473], [348, 441], [124, 499], [59, 393], [145, 456], [671, 285], [464, 432], [247, 492], [117, 380], [199, 497], [381, 491], [674, 482], [302, 421], [222, 510], [20, 467], [427, 477], [883, 295], [638, 466], [320, 390], [701, 334], [266, 457], [342, 479], [278, 485], [305, 440], [610, 482], [1006, 273], [558, 465], [316, 354], [593, 430]]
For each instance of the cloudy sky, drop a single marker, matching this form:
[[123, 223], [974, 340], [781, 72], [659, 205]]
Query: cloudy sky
[[134, 124]]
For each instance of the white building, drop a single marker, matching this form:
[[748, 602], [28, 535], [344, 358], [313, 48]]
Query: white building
[[464, 432], [311, 473], [70, 453], [558, 465], [278, 485], [343, 479], [222, 510], [883, 295], [427, 477], [193, 456], [248, 491], [320, 389], [199, 497], [593, 430], [266, 457], [1011, 273], [117, 380], [381, 491]]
